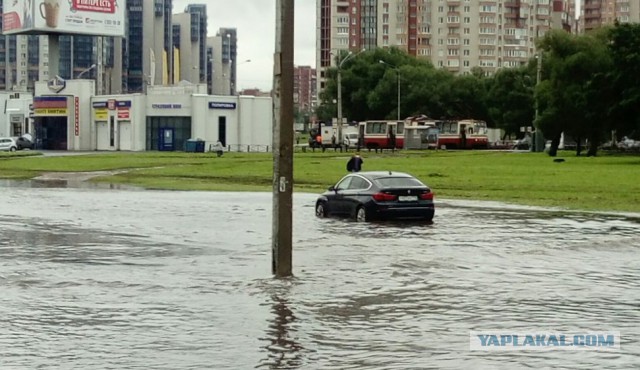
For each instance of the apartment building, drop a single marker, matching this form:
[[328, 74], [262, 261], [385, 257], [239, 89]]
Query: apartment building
[[147, 53], [198, 34], [222, 52], [597, 13], [456, 35], [304, 88]]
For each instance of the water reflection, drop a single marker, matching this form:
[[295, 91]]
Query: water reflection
[[283, 351], [63, 184]]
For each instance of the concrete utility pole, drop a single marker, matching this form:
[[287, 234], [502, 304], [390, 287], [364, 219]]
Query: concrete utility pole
[[281, 240], [537, 144]]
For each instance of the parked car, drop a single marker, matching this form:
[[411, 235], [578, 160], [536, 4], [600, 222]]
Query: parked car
[[366, 196], [8, 144], [522, 144], [24, 142]]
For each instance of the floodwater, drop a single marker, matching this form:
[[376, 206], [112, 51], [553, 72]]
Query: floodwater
[[97, 278]]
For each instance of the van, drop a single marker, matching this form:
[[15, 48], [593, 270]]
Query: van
[[350, 140]]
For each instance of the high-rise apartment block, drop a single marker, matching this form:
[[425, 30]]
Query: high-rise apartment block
[[222, 51], [190, 44], [456, 35], [147, 53], [596, 13], [304, 88]]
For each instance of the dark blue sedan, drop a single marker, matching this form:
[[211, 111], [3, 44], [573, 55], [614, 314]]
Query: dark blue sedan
[[366, 196]]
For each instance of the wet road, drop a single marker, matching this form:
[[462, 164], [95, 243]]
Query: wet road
[[115, 278]]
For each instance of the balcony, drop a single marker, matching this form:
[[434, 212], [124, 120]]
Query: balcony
[[592, 5], [512, 4]]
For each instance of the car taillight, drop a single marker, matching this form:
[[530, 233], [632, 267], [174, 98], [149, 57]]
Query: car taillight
[[384, 197], [426, 196]]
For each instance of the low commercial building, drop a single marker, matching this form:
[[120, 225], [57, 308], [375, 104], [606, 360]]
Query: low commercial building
[[14, 113], [68, 116]]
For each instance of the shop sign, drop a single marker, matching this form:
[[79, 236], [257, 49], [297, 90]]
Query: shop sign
[[123, 104], [166, 106], [51, 112], [101, 114], [77, 115], [221, 105]]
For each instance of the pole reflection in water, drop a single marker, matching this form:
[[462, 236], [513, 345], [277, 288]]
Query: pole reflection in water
[[284, 351]]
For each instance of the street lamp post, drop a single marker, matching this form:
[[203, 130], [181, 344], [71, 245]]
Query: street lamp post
[[86, 70], [537, 144], [340, 140], [234, 84], [230, 61], [398, 73], [340, 64]]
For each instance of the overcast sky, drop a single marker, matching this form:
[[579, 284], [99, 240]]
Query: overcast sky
[[256, 24]]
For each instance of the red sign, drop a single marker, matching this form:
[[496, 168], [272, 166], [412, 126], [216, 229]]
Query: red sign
[[11, 21], [77, 115], [111, 104], [123, 114], [100, 6]]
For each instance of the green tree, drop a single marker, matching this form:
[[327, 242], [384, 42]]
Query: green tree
[[574, 96], [624, 46], [510, 99]]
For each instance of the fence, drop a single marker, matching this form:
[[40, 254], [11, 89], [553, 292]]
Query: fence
[[244, 148]]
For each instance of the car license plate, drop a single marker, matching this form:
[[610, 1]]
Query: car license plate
[[407, 198]]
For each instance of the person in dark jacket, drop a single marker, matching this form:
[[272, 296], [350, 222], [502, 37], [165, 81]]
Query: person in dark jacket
[[355, 163]]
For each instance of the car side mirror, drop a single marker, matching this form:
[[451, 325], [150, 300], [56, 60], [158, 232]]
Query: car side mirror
[[332, 188]]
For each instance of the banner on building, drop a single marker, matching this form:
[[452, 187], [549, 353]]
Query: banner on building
[[50, 106], [86, 17]]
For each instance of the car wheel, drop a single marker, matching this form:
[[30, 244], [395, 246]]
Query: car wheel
[[13, 149], [361, 214], [321, 211]]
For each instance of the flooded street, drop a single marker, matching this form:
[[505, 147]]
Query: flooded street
[[100, 278]]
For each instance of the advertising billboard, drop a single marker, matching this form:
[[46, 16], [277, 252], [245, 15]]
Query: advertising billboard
[[85, 17]]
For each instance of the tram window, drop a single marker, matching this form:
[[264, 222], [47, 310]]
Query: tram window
[[376, 128]]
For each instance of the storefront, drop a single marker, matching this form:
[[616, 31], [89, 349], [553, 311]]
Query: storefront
[[74, 119], [60, 115]]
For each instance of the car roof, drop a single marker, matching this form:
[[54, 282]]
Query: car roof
[[372, 175]]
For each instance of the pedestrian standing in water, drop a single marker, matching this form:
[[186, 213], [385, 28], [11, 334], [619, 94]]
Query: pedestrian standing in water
[[355, 163]]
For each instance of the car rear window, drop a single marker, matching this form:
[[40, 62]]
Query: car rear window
[[398, 182]]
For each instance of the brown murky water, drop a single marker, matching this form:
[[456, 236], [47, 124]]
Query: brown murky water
[[115, 278]]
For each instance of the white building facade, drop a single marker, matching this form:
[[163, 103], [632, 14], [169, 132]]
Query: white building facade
[[73, 118]]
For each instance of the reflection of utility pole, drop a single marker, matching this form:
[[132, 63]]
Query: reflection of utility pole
[[281, 240]]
